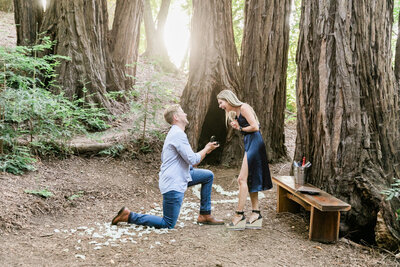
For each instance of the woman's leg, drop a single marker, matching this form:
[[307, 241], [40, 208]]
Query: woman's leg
[[243, 189], [254, 206]]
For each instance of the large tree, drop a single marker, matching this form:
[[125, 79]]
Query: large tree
[[347, 117], [98, 57], [213, 66], [155, 45], [28, 15], [264, 60], [125, 35]]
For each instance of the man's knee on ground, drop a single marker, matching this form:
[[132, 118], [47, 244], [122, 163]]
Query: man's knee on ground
[[171, 225]]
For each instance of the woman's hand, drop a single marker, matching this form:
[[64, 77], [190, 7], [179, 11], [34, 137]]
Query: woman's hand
[[235, 125]]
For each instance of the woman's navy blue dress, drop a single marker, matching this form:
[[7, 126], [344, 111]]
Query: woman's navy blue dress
[[259, 178]]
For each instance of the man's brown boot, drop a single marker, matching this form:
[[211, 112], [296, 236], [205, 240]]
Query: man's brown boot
[[122, 216], [209, 219]]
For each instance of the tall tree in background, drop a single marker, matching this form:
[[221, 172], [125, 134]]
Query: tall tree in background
[[264, 60], [155, 48], [397, 56], [28, 15], [212, 68], [98, 57], [125, 36], [348, 113]]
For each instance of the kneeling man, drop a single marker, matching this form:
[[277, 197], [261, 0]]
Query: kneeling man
[[176, 175]]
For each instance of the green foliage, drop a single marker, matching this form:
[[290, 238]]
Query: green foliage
[[113, 151], [76, 195], [145, 148], [393, 192], [6, 5], [21, 71], [395, 28], [158, 134], [292, 66], [188, 7], [238, 22], [150, 97], [17, 162], [31, 114], [44, 193]]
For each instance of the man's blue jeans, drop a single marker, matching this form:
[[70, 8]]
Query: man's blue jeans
[[172, 202], [205, 178]]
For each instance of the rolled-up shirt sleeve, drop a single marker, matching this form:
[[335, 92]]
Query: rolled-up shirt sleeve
[[185, 150]]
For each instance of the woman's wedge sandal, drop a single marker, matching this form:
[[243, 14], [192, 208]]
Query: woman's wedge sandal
[[257, 223], [241, 225]]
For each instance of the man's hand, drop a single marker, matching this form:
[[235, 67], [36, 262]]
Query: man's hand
[[211, 146], [208, 149]]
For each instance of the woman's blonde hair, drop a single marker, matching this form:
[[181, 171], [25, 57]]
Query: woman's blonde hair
[[234, 101]]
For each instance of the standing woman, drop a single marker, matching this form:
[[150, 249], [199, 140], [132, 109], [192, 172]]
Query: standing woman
[[254, 174]]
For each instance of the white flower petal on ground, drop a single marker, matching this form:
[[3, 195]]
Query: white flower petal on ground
[[96, 235], [79, 256]]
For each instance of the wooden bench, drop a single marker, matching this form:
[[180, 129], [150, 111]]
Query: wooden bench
[[325, 209]]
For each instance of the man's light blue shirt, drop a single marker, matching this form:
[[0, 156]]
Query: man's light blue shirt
[[177, 156]]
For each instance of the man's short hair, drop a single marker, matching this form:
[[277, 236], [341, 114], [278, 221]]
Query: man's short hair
[[170, 112]]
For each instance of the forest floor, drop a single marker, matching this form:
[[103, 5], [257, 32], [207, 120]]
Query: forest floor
[[72, 228]]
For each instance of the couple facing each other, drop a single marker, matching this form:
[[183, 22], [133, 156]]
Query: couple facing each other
[[177, 171]]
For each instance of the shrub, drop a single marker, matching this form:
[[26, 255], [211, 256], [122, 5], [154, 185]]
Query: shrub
[[31, 114], [393, 192]]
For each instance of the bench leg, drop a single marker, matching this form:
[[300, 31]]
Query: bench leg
[[324, 225], [285, 204]]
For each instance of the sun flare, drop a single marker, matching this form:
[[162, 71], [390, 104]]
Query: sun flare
[[176, 32]]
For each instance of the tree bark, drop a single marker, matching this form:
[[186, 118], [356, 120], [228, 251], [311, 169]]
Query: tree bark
[[264, 60], [81, 31], [348, 112], [28, 15], [212, 68], [125, 36], [397, 56], [155, 48]]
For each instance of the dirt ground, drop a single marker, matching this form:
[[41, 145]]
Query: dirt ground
[[72, 228]]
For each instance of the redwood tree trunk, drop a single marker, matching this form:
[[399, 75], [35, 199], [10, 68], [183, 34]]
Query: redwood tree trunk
[[264, 60], [212, 68], [155, 47], [397, 57], [348, 113], [125, 36], [28, 15], [81, 31]]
